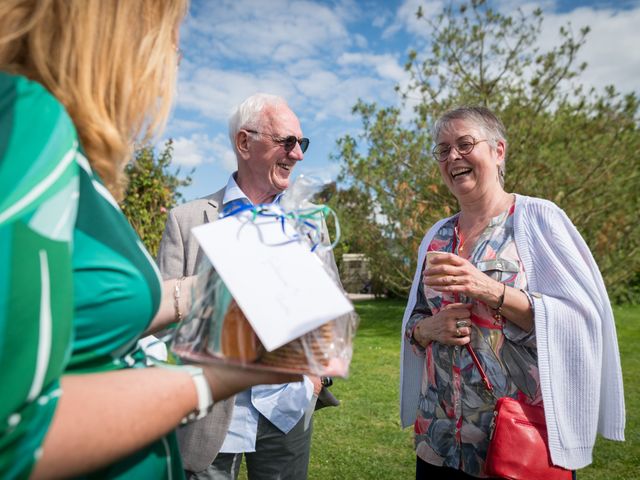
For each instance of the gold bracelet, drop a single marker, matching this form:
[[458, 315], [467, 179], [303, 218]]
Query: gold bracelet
[[176, 298]]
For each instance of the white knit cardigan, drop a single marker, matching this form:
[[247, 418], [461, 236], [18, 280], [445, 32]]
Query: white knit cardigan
[[578, 358]]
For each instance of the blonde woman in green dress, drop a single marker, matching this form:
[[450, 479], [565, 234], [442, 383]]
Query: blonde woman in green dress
[[79, 82]]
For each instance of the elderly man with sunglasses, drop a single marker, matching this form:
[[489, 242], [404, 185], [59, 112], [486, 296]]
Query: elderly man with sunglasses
[[265, 423]]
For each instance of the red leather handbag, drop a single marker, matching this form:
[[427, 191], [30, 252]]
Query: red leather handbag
[[518, 446]]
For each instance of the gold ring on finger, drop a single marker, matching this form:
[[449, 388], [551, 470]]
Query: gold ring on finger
[[458, 334]]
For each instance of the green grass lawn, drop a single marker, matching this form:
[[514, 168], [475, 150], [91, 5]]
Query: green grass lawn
[[362, 438]]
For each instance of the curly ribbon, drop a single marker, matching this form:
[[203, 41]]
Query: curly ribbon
[[305, 221]]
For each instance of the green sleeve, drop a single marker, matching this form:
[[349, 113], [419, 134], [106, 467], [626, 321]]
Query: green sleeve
[[38, 205]]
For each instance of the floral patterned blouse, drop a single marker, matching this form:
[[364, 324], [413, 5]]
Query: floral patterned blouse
[[455, 409]]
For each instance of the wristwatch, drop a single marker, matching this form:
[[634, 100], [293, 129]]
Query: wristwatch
[[205, 400]]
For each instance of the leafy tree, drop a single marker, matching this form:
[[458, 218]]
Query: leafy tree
[[575, 146], [351, 204], [354, 210], [152, 192]]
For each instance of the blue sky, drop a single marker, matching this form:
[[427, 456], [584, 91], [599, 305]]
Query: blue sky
[[321, 56]]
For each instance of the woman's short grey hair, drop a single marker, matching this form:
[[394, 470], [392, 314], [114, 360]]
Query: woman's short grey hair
[[482, 118], [249, 114]]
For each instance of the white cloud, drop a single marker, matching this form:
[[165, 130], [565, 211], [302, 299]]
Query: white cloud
[[234, 49], [287, 47], [611, 47], [337, 104], [186, 152], [215, 92], [303, 67], [315, 92], [406, 19], [360, 40], [278, 30], [320, 84], [199, 149], [181, 125], [610, 50], [386, 66], [525, 5], [380, 20]]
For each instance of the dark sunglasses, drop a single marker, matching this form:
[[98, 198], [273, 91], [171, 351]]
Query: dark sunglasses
[[289, 143]]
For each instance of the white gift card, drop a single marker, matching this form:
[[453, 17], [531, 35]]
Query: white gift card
[[280, 285]]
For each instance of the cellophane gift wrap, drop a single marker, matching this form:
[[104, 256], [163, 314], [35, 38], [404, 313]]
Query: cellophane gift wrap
[[216, 330]]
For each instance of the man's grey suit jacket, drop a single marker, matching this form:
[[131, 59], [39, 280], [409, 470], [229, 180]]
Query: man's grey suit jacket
[[178, 256]]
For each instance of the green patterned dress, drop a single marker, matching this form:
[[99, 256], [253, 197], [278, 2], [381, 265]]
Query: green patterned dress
[[116, 293], [38, 203]]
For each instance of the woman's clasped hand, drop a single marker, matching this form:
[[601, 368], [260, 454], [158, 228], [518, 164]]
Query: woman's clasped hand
[[450, 326]]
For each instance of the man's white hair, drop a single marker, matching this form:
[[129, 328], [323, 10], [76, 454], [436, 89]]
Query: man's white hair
[[249, 114]]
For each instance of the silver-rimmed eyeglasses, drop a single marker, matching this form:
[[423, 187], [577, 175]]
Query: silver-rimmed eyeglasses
[[464, 145]]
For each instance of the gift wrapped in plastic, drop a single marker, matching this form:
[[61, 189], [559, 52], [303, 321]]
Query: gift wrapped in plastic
[[249, 330]]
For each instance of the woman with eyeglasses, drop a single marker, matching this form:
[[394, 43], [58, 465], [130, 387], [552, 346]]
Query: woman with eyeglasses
[[514, 279], [79, 83]]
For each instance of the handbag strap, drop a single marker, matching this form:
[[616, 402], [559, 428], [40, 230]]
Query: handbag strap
[[483, 375]]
